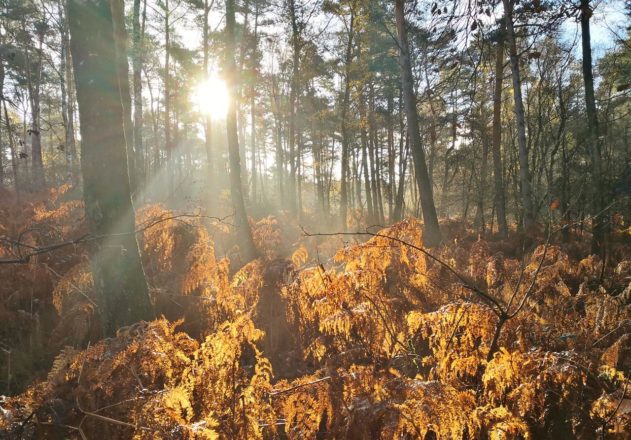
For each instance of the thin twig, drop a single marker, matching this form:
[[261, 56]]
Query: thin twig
[[302, 385]]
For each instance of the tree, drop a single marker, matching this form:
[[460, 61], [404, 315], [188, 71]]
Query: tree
[[528, 216], [293, 102], [431, 230], [345, 172], [205, 60], [593, 142], [498, 170], [236, 187], [115, 258], [137, 61], [34, 82], [67, 91], [167, 96], [120, 39]]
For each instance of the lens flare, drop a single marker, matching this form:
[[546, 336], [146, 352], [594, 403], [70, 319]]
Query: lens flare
[[211, 97]]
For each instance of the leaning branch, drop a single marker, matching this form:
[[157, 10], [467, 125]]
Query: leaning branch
[[467, 284], [24, 258]]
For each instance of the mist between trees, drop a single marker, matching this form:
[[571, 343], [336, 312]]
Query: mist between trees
[[274, 132]]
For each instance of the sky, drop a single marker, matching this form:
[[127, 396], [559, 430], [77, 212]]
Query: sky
[[608, 20]]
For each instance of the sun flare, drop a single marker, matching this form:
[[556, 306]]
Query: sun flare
[[211, 97]]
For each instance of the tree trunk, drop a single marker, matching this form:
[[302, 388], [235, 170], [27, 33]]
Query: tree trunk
[[480, 220], [63, 67], [498, 169], [167, 98], [2, 156], [120, 39], [524, 168], [293, 97], [391, 153], [593, 143], [14, 154], [403, 160], [344, 187], [116, 266], [254, 176], [431, 231], [364, 159], [207, 119], [375, 159], [278, 128], [137, 85], [236, 188], [34, 83]]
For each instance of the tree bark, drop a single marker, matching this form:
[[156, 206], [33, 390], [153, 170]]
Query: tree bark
[[236, 187], [431, 231], [120, 39], [524, 167], [364, 159], [253, 151], [14, 154], [34, 84], [167, 97], [293, 98], [391, 153], [344, 186], [137, 86], [2, 156], [116, 266], [498, 169], [207, 119], [593, 142], [278, 131]]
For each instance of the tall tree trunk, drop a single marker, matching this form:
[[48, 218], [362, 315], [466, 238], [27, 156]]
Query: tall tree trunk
[[253, 173], [137, 86], [116, 266], [71, 143], [14, 154], [33, 85], [370, 217], [480, 220], [498, 169], [63, 67], [293, 98], [375, 158], [344, 184], [120, 38], [593, 143], [254, 176], [524, 167], [391, 153], [2, 156], [167, 98], [236, 187], [404, 148], [431, 231], [278, 128], [207, 118]]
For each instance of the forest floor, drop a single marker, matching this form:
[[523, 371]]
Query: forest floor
[[359, 336]]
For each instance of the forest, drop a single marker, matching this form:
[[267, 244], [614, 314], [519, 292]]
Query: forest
[[315, 219]]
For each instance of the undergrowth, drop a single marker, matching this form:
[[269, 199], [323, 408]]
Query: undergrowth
[[343, 338]]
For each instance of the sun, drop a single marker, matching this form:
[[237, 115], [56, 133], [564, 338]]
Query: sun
[[211, 97]]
